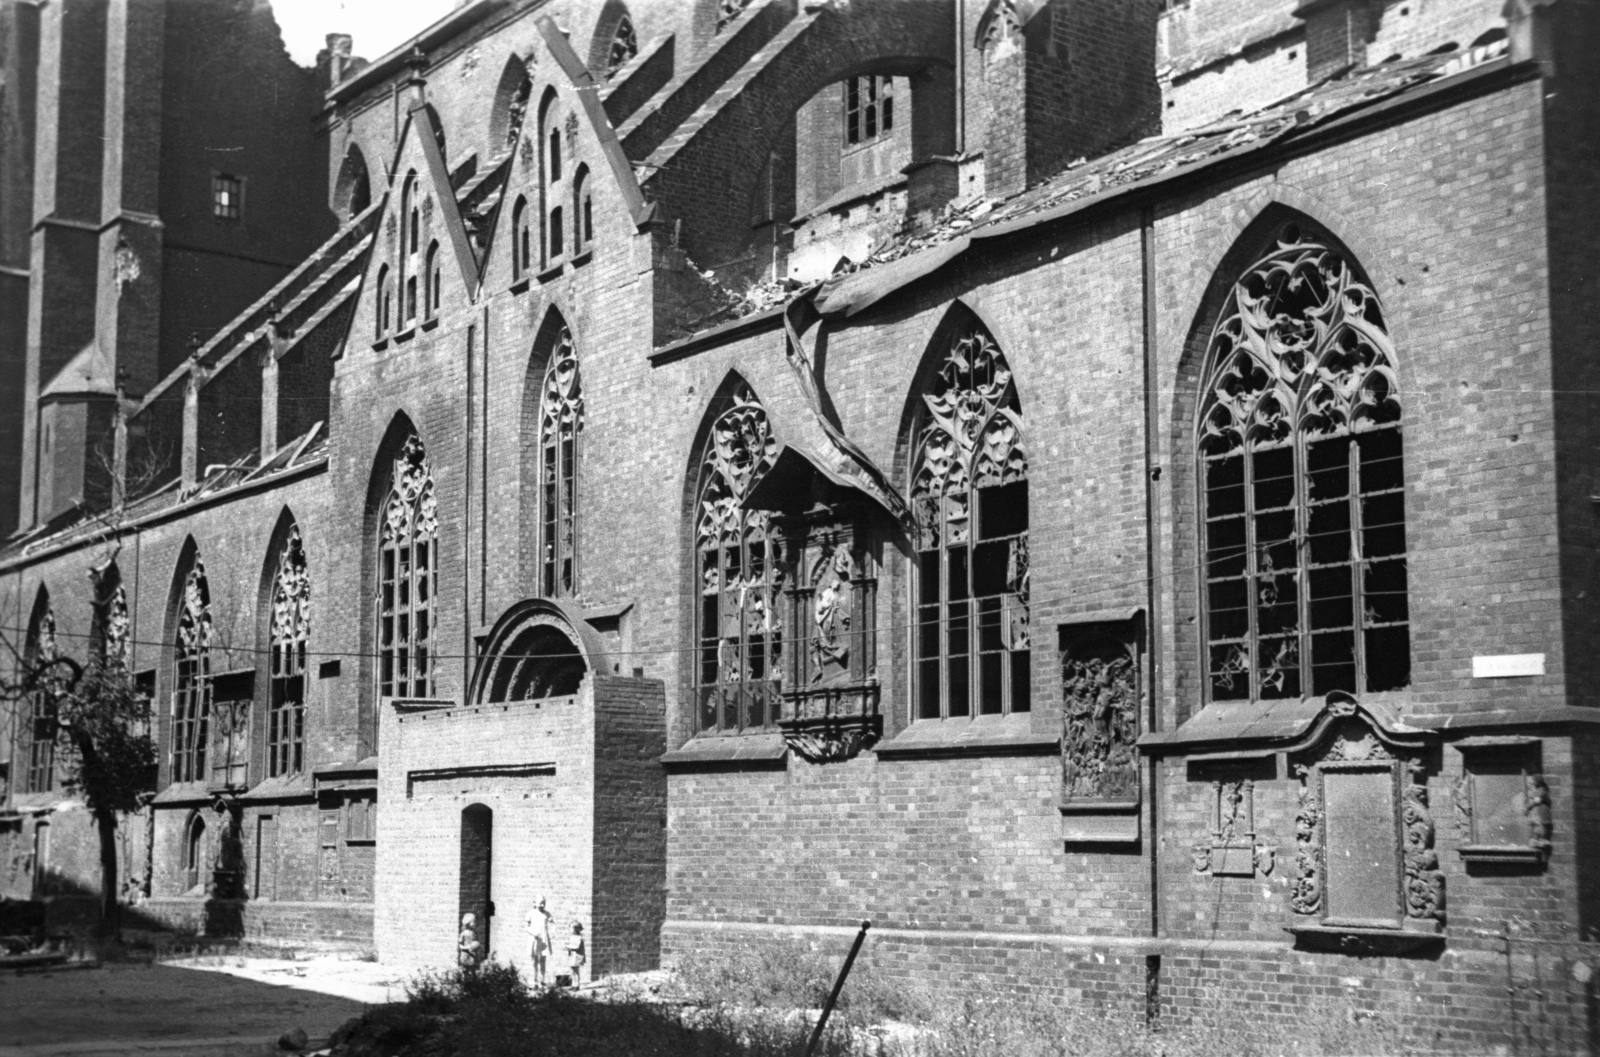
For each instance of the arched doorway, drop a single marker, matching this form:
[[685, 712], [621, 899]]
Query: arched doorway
[[477, 871]]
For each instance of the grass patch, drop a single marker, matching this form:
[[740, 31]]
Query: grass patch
[[761, 1001]]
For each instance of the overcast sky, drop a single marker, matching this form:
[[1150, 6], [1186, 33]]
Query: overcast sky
[[378, 26]]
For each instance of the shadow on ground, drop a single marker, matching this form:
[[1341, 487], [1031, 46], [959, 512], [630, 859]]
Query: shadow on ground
[[134, 1003]]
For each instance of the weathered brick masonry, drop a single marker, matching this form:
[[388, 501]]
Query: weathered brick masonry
[[614, 601]]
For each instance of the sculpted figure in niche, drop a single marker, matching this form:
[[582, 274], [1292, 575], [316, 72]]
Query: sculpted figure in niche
[[1101, 722], [830, 648]]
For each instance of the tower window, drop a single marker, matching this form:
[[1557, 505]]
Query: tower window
[[868, 108], [227, 196]]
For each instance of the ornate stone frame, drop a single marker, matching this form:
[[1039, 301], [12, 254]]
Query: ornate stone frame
[[1350, 739], [830, 684], [1522, 752]]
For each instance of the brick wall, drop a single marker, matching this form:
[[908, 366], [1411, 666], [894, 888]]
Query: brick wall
[[630, 819]]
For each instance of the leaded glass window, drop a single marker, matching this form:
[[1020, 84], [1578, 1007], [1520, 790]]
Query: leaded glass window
[[969, 495], [560, 422], [41, 740], [191, 696], [739, 627], [1302, 484], [291, 626], [406, 565], [868, 108]]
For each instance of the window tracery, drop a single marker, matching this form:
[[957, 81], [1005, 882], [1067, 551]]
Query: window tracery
[[560, 422], [969, 497], [41, 741], [1303, 490], [191, 698], [289, 633], [408, 530], [739, 622], [727, 11], [624, 46]]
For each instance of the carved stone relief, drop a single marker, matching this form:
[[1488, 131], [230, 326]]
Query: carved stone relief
[[1231, 850], [1502, 802], [1101, 698]]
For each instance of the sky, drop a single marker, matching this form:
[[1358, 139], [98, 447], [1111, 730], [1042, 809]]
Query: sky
[[378, 26]]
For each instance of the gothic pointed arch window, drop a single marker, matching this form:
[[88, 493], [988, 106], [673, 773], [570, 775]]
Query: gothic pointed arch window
[[553, 185], [582, 211], [435, 281], [407, 560], [40, 733], [410, 223], [521, 240], [191, 696], [969, 495], [623, 47], [113, 631], [288, 635], [382, 304], [738, 622], [1302, 482], [560, 423]]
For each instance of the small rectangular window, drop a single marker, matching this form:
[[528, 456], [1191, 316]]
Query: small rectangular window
[[868, 108], [227, 196]]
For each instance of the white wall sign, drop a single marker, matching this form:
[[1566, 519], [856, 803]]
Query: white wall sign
[[1506, 665]]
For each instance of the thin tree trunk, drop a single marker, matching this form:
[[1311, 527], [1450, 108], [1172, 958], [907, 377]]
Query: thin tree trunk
[[110, 908], [105, 820]]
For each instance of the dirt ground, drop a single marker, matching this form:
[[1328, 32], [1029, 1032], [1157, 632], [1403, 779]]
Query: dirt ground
[[208, 1007]]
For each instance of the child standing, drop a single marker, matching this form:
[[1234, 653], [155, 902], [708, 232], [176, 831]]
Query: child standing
[[575, 953]]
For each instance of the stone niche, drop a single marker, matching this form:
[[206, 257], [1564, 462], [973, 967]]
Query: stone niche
[[832, 535], [1232, 848], [1102, 701], [1502, 803]]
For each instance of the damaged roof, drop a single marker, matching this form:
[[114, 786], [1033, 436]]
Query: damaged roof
[[915, 253]]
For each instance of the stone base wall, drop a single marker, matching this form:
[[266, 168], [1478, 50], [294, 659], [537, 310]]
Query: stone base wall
[[342, 927], [1469, 997]]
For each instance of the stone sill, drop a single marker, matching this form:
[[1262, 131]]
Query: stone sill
[[754, 750], [1011, 735], [1503, 853], [1358, 939]]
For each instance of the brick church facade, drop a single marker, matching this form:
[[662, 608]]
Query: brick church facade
[[1104, 490]]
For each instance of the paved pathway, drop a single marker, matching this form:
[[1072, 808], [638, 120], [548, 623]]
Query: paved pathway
[[208, 1007]]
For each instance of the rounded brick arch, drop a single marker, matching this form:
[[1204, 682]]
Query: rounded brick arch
[[895, 37]]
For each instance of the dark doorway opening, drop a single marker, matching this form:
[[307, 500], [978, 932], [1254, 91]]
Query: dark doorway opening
[[477, 860]]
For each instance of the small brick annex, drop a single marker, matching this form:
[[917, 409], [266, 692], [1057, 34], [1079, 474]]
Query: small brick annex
[[537, 540]]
